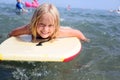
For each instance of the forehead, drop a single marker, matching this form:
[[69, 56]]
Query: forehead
[[47, 18]]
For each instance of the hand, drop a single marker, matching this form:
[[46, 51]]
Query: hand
[[86, 40]]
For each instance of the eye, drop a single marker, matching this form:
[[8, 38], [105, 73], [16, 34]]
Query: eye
[[41, 25], [51, 26]]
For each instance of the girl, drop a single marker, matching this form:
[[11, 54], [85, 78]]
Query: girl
[[45, 25]]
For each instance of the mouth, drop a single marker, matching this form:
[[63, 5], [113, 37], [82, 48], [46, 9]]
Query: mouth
[[45, 33]]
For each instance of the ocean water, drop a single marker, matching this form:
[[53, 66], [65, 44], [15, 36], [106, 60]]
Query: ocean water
[[98, 60]]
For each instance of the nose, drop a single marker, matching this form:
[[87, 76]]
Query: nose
[[46, 28]]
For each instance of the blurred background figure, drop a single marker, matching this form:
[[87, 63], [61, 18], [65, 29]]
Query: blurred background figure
[[19, 6], [68, 7], [33, 4]]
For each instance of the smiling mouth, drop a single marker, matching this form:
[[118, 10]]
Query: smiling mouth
[[45, 33]]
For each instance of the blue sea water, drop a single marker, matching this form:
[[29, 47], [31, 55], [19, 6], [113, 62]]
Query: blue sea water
[[98, 60]]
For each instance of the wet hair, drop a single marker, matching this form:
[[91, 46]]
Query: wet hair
[[39, 12]]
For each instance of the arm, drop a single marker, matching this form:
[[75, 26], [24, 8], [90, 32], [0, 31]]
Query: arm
[[69, 32], [20, 31], [79, 35]]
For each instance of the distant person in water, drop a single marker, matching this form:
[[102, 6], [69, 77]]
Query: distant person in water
[[19, 6], [45, 26], [68, 7]]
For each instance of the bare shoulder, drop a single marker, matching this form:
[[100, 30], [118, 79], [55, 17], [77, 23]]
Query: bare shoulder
[[65, 31], [70, 32]]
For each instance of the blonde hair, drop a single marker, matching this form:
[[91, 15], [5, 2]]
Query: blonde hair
[[39, 12]]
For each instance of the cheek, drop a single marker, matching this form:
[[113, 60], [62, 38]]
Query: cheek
[[52, 30], [38, 29]]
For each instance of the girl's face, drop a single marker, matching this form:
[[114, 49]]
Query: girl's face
[[46, 26]]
